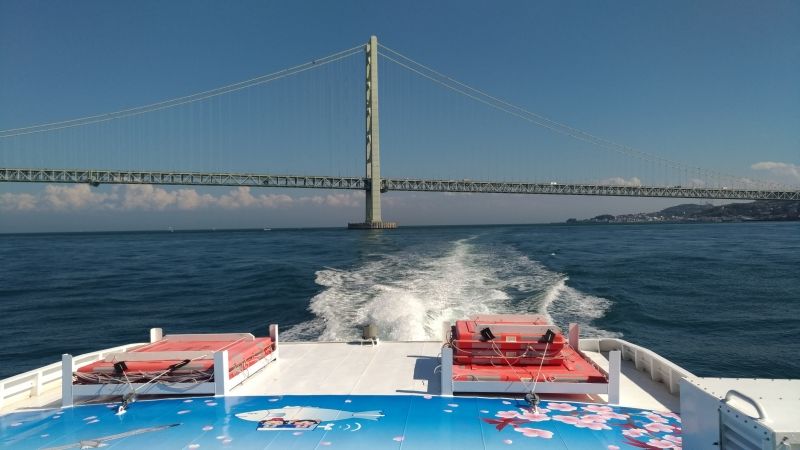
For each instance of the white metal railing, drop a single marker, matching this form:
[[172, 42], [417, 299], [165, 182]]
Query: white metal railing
[[35, 382], [659, 368]]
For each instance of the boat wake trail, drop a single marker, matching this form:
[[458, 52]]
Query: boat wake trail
[[408, 295]]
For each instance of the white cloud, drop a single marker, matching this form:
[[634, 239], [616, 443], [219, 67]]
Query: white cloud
[[79, 196], [17, 202], [348, 200], [148, 197], [778, 168], [242, 198], [338, 200], [619, 181], [189, 199]]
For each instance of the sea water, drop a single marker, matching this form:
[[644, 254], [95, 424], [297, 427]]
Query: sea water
[[717, 299]]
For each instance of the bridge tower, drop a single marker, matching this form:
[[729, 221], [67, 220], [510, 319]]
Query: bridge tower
[[373, 145]]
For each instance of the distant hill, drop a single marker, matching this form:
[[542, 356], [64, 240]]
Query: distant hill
[[686, 209], [761, 210]]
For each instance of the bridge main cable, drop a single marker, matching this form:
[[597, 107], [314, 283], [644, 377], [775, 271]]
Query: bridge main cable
[[558, 127], [52, 126]]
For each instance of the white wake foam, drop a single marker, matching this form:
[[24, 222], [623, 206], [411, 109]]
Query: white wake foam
[[408, 295]]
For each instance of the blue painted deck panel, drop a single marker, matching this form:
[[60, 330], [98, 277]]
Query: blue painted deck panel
[[341, 422]]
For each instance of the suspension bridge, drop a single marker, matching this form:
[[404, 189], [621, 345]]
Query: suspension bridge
[[273, 128]]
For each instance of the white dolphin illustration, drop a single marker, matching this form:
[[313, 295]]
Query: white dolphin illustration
[[308, 412]]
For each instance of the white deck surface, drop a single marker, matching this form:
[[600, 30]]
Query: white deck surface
[[346, 368], [388, 368], [405, 368]]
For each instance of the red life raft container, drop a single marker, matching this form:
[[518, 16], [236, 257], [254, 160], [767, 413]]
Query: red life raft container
[[243, 351], [507, 340], [517, 348], [572, 368]]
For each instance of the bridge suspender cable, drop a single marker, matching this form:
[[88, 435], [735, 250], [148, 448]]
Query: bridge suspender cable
[[182, 100], [538, 119]]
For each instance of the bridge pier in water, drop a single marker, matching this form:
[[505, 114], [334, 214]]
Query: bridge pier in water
[[372, 218]]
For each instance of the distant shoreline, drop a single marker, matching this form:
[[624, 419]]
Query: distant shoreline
[[587, 222], [758, 211]]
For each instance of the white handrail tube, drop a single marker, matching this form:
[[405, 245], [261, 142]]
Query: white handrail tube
[[762, 415]]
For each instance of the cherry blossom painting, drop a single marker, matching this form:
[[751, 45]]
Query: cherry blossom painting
[[419, 422]]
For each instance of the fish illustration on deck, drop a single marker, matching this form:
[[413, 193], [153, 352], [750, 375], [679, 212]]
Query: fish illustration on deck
[[308, 412], [103, 441]]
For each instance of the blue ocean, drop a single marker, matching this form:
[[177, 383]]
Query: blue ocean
[[717, 299]]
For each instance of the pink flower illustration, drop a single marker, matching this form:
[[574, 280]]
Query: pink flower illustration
[[508, 414], [613, 415], [656, 427], [598, 409], [591, 423], [594, 418], [561, 407], [572, 420], [535, 432], [656, 418], [671, 415], [634, 432], [675, 439], [660, 443], [596, 426], [534, 417]]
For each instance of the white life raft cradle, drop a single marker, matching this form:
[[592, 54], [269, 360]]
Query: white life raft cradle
[[176, 364], [503, 353]]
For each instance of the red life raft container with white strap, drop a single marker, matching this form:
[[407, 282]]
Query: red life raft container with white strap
[[522, 354], [517, 340], [192, 355]]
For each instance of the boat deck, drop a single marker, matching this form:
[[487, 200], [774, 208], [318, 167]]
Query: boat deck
[[390, 368], [348, 395], [408, 368]]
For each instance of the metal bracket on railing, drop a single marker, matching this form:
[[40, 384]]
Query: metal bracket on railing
[[762, 415]]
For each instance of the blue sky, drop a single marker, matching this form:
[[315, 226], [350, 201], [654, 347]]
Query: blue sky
[[711, 84]]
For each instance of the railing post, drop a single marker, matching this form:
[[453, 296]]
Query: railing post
[[36, 389], [221, 384], [156, 334], [574, 336], [66, 380], [447, 371], [273, 334], [614, 367]]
